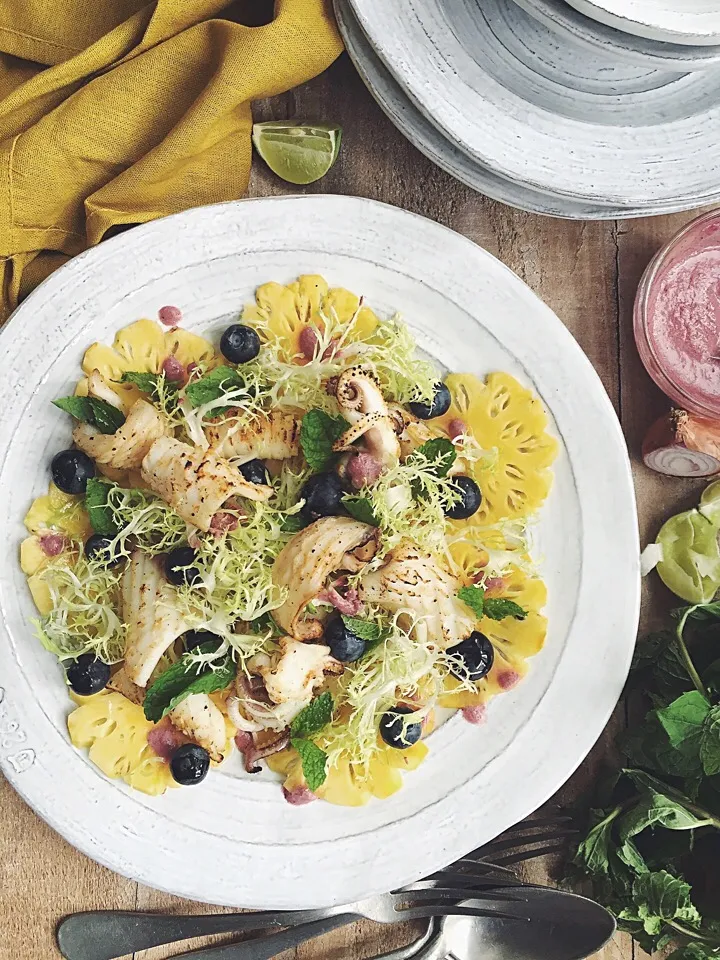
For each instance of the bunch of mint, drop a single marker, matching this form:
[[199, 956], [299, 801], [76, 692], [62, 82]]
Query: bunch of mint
[[652, 843]]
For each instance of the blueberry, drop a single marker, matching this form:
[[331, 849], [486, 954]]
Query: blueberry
[[470, 502], [71, 470], [397, 734], [477, 654], [344, 645], [189, 764], [322, 494], [240, 343], [254, 471], [88, 675], [194, 638], [97, 547], [440, 404], [178, 567]]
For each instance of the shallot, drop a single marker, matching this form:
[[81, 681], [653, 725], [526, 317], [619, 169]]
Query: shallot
[[681, 444]]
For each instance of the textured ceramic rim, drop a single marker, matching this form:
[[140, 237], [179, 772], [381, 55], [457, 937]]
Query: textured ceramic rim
[[642, 19], [519, 140], [173, 843], [430, 141], [565, 17], [640, 319]]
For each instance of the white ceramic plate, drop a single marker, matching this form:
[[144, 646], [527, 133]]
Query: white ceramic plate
[[671, 21], [234, 840], [567, 19], [430, 141], [546, 113]]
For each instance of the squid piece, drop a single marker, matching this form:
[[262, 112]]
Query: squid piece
[[292, 674], [126, 448], [304, 564], [200, 719], [275, 436], [196, 483], [149, 609], [362, 403], [410, 431], [414, 584]]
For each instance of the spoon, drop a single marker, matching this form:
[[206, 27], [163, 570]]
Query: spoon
[[564, 926]]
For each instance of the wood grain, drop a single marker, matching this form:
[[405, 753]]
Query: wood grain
[[587, 273]]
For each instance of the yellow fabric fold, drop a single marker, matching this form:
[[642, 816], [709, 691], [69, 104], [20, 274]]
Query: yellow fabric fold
[[133, 111]]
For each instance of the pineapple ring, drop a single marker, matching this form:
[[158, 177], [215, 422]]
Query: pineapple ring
[[343, 786], [514, 642], [281, 313], [114, 731], [502, 414], [53, 512], [142, 347]]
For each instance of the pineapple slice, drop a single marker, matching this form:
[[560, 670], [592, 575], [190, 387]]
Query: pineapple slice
[[502, 414], [281, 313], [54, 512], [344, 786], [514, 642], [61, 512], [114, 731], [142, 347]]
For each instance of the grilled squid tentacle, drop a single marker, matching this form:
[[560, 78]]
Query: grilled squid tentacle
[[362, 403]]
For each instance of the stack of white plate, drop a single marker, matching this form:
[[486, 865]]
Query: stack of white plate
[[589, 109]]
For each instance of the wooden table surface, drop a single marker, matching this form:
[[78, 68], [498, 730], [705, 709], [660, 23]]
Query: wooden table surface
[[588, 274]]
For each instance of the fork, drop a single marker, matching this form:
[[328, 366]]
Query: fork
[[104, 935]]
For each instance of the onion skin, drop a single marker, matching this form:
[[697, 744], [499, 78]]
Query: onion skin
[[681, 444]]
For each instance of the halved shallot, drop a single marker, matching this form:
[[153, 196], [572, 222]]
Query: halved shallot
[[681, 444]]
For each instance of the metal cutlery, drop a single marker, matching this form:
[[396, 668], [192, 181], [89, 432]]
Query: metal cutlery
[[103, 935], [567, 927], [549, 923]]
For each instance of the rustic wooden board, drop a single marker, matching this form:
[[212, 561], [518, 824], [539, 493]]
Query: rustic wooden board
[[587, 273]]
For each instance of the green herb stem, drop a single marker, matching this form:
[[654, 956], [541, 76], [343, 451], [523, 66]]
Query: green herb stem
[[685, 654]]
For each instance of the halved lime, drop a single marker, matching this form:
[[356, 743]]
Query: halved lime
[[690, 566], [299, 153], [710, 503]]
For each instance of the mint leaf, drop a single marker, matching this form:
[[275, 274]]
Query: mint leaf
[[314, 762], [77, 407], [660, 897], [292, 523], [657, 810], [710, 743], [497, 608], [313, 717], [593, 853], [361, 509], [213, 386], [96, 504], [318, 433], [185, 678], [147, 382], [474, 597], [683, 722], [98, 413], [370, 632], [440, 452], [105, 416]]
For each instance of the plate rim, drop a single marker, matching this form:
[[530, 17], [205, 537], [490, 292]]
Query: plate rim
[[190, 886], [599, 11]]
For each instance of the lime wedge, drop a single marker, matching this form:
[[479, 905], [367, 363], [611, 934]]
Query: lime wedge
[[690, 566], [298, 153]]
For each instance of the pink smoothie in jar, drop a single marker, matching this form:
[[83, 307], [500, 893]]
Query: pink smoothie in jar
[[677, 317]]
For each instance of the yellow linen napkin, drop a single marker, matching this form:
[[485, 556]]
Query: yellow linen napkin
[[120, 111]]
